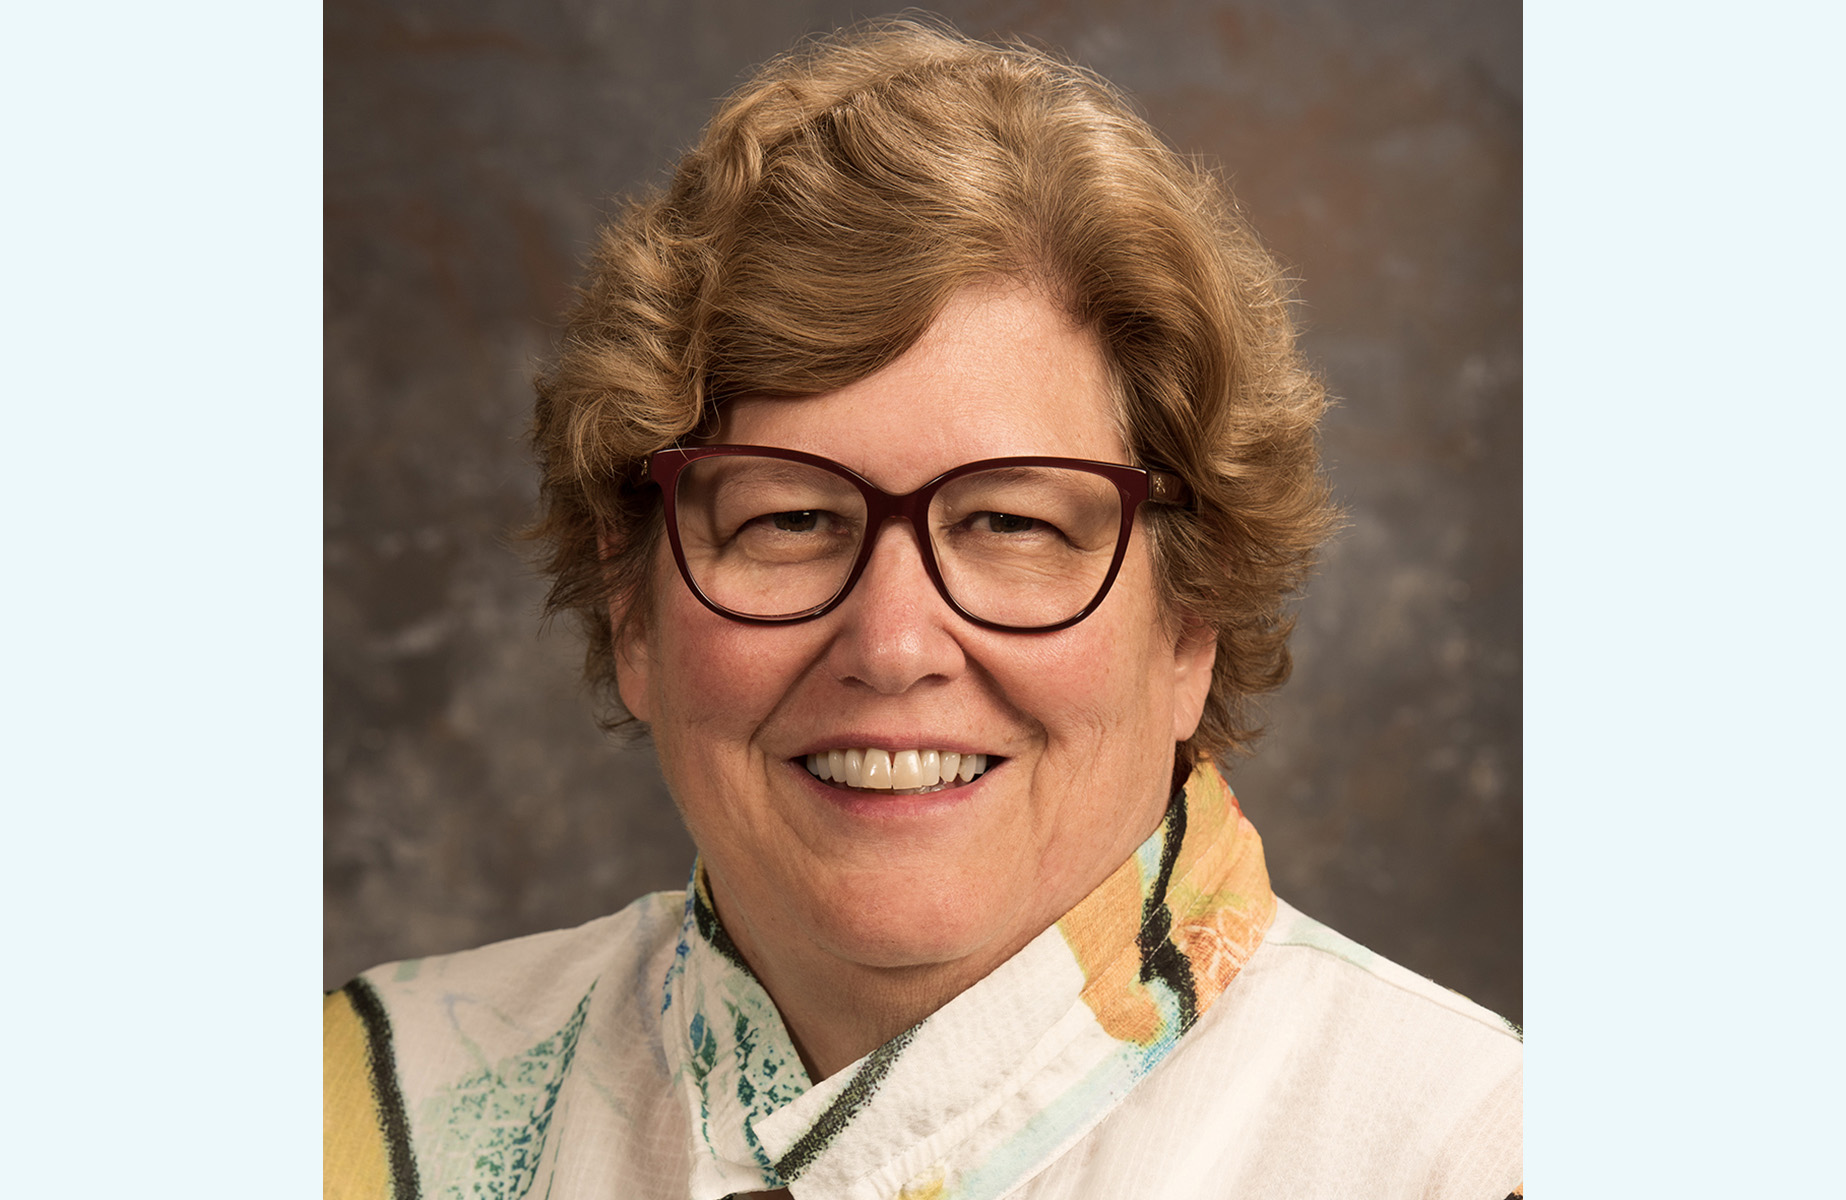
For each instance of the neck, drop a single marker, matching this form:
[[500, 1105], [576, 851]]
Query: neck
[[838, 1011]]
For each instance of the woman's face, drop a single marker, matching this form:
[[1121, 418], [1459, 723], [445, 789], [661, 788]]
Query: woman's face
[[1079, 724]]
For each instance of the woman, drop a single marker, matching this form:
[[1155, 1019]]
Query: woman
[[930, 465]]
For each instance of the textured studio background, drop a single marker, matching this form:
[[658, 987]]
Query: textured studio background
[[472, 146]]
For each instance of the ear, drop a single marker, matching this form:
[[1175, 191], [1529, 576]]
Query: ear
[[1194, 654], [634, 663]]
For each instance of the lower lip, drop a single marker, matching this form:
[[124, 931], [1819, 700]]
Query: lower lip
[[880, 805]]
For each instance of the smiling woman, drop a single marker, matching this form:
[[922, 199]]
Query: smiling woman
[[903, 902], [930, 466]]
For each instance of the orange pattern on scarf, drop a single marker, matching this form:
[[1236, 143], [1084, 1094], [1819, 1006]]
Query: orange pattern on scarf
[[1218, 898]]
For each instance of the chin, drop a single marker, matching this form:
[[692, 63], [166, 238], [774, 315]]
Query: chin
[[906, 925]]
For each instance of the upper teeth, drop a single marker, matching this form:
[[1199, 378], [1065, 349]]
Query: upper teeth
[[896, 771]]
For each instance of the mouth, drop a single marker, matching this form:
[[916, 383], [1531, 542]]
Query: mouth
[[898, 773]]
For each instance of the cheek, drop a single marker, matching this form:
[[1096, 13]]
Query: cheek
[[718, 682], [1116, 668], [706, 679], [707, 699], [1099, 686]]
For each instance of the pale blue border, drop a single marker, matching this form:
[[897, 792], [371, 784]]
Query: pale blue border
[[162, 694], [162, 598], [1684, 599]]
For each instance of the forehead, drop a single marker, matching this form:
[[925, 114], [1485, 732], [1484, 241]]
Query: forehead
[[1002, 371]]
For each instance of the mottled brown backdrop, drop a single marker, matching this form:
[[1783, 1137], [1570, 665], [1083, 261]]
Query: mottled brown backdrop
[[471, 147]]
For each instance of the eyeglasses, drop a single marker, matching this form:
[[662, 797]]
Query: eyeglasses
[[1029, 544]]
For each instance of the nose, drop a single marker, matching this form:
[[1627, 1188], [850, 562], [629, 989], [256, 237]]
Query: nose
[[895, 630]]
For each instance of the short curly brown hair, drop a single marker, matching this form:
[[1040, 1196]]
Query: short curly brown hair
[[832, 207]]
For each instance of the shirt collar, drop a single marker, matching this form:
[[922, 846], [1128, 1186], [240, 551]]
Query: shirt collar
[[995, 1084]]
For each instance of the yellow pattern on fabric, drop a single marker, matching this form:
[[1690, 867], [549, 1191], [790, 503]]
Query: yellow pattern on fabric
[[1220, 903], [929, 1186], [354, 1165], [1101, 934]]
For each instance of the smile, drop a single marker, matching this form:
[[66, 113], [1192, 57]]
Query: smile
[[903, 771]]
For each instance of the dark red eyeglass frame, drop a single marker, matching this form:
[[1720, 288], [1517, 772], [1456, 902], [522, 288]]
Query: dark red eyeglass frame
[[1136, 485]]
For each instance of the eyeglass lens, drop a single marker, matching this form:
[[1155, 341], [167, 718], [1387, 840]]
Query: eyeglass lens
[[1021, 546]]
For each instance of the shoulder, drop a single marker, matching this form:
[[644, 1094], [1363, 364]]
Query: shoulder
[[458, 1007], [428, 1059], [1325, 1069], [1376, 1072], [1333, 984], [533, 974]]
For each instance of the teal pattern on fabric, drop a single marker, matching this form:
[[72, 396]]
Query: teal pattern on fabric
[[489, 1128], [737, 1027]]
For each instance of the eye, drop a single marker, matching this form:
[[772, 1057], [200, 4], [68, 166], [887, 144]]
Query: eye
[[999, 522], [803, 521], [791, 535]]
